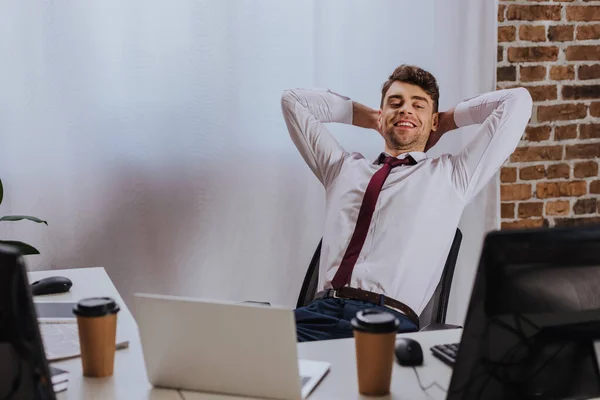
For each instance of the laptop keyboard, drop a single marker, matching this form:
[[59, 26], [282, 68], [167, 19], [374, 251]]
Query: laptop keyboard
[[446, 352]]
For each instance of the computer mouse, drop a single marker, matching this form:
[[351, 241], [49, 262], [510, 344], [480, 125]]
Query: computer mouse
[[409, 352], [51, 285]]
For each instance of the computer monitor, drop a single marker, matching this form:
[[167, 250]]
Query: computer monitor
[[533, 316], [24, 371]]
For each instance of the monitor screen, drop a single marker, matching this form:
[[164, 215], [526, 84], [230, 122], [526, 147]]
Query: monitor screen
[[533, 317], [23, 366]]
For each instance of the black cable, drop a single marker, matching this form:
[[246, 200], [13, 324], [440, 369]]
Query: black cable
[[432, 384]]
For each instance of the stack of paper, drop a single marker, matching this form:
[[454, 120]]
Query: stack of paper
[[61, 340], [60, 379]]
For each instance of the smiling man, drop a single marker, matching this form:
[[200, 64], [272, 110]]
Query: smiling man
[[389, 222]]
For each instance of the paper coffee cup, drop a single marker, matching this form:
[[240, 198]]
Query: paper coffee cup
[[375, 337], [97, 325]]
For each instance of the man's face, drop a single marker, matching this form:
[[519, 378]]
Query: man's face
[[406, 117]]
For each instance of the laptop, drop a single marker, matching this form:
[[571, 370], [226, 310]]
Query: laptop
[[221, 347], [533, 317], [24, 372]]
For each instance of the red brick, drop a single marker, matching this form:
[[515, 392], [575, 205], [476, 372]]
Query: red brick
[[507, 210], [532, 33], [588, 150], [501, 10], [545, 190], [585, 169], [581, 92], [537, 133], [532, 73], [508, 174], [500, 54], [595, 187], [565, 132], [585, 206], [533, 172], [533, 12], [595, 109], [586, 32], [527, 210], [558, 171], [560, 207], [507, 33], [506, 74], [562, 72], [526, 223], [589, 131], [542, 93], [588, 71], [562, 222], [582, 53], [583, 13], [560, 33], [519, 191], [539, 53], [536, 153], [561, 112]]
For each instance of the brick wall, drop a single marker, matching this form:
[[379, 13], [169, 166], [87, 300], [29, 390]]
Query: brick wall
[[552, 48]]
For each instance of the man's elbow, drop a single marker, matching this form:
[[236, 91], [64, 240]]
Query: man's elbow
[[522, 97], [288, 98]]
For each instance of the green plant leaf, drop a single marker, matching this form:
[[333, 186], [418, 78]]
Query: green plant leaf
[[1, 191], [20, 217], [24, 248]]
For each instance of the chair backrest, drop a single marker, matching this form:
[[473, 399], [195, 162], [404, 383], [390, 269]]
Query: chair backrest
[[434, 312], [311, 280]]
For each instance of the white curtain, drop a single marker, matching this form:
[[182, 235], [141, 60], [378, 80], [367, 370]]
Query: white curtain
[[149, 133]]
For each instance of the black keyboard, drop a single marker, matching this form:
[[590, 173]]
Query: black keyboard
[[446, 352]]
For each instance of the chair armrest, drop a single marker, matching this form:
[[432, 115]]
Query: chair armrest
[[438, 327]]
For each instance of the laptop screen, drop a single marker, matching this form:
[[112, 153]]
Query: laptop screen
[[23, 366], [534, 311]]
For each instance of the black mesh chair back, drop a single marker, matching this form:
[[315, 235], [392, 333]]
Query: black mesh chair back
[[435, 311]]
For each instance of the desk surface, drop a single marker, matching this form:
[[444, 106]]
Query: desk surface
[[130, 380], [341, 382]]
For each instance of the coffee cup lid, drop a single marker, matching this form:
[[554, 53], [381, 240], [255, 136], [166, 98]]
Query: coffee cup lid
[[375, 321], [96, 307]]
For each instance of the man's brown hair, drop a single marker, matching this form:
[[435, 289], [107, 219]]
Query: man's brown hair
[[415, 76]]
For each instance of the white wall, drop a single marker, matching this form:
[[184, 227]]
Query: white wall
[[149, 133]]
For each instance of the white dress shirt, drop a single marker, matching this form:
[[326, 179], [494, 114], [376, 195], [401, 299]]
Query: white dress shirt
[[419, 206]]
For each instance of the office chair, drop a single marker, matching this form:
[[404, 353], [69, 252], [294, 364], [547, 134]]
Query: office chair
[[433, 316]]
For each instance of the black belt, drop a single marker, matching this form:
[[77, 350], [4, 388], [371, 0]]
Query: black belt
[[371, 297]]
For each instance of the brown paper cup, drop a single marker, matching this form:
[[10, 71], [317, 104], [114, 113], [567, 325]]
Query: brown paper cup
[[374, 361], [97, 326], [97, 340]]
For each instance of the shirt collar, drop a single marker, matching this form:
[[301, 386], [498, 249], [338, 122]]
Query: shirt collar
[[417, 155]]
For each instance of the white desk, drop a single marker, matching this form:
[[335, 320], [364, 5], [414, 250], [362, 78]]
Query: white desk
[[130, 380], [341, 381]]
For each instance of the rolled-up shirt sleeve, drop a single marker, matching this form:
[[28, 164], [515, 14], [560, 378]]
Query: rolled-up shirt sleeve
[[306, 112], [503, 116]]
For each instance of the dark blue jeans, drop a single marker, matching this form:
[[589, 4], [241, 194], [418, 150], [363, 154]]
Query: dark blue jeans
[[330, 319]]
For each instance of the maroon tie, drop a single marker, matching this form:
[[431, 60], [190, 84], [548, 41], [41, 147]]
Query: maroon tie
[[344, 272]]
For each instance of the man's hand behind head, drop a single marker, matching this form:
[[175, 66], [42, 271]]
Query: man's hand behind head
[[445, 123]]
